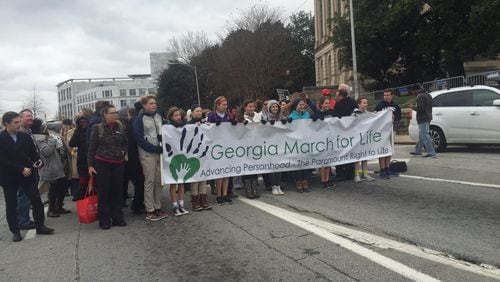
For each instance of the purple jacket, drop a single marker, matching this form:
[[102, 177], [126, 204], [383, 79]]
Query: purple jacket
[[213, 117]]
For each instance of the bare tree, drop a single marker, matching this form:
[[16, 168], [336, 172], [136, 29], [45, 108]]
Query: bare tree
[[190, 45], [36, 104], [255, 16]]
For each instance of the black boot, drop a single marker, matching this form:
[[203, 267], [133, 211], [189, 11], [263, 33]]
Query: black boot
[[44, 230], [16, 237], [255, 188], [247, 185]]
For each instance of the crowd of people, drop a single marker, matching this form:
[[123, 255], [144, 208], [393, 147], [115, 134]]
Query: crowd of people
[[109, 149]]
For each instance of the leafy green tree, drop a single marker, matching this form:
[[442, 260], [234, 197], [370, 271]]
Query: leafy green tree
[[405, 41], [301, 28], [177, 87]]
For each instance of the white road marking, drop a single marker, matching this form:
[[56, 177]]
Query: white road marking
[[32, 232], [338, 234], [312, 226], [451, 181]]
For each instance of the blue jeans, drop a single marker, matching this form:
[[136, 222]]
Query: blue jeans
[[23, 208], [424, 139], [23, 204]]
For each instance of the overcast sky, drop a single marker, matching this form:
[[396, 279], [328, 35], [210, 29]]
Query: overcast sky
[[46, 42]]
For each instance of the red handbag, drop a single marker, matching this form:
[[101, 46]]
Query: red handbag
[[87, 207]]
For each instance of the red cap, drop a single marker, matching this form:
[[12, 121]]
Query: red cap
[[326, 91]]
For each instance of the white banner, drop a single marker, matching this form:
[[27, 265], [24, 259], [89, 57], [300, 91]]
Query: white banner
[[194, 153]]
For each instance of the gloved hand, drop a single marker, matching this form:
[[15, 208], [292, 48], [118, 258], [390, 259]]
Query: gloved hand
[[217, 123], [263, 121], [233, 122]]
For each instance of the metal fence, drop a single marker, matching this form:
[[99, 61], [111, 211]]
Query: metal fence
[[446, 83], [491, 78]]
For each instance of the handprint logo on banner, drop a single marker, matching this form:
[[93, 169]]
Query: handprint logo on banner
[[186, 163]]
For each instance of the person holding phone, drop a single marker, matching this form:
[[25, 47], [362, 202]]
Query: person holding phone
[[18, 161]]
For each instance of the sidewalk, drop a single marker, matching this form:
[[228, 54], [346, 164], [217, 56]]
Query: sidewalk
[[403, 140]]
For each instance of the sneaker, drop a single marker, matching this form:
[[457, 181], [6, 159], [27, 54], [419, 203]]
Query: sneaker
[[161, 214], [415, 154], [176, 211], [151, 216], [357, 179], [280, 192], [430, 156], [220, 201], [306, 189], [183, 211], [324, 185], [227, 200], [367, 178], [275, 190], [384, 175]]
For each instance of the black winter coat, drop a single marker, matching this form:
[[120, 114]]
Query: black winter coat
[[15, 156]]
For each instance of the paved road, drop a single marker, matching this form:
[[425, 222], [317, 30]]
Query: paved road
[[297, 237]]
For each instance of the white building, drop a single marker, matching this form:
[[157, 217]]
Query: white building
[[75, 94]]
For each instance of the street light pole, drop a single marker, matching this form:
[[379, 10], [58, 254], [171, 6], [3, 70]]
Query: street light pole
[[354, 60], [197, 87]]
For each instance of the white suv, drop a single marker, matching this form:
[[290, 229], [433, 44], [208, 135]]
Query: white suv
[[464, 115]]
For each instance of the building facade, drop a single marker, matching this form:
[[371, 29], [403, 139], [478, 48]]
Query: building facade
[[122, 92], [75, 94], [327, 59]]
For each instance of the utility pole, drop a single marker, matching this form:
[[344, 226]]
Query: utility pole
[[354, 60]]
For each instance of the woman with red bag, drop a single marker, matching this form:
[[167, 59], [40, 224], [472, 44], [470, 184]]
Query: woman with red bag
[[106, 156]]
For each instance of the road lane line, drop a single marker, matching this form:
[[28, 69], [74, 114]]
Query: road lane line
[[451, 181], [303, 223], [342, 232]]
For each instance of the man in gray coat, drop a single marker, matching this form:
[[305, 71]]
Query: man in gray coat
[[424, 117]]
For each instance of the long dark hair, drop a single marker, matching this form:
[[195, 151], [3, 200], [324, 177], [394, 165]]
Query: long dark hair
[[240, 114]]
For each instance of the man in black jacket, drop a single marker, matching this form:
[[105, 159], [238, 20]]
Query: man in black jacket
[[18, 160], [344, 107]]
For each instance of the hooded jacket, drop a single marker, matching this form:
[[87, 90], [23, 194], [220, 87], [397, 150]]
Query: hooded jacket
[[55, 159]]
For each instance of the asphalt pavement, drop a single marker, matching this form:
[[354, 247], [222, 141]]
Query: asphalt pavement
[[440, 220]]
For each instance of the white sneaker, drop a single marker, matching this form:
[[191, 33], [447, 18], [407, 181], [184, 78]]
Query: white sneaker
[[275, 190], [367, 178], [357, 179], [280, 191]]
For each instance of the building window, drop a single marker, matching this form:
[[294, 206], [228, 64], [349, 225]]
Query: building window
[[152, 91], [123, 92], [107, 93], [132, 102], [132, 92], [142, 91], [123, 103]]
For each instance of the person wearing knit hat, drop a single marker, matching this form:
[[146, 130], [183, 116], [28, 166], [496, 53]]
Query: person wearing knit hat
[[299, 110]]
